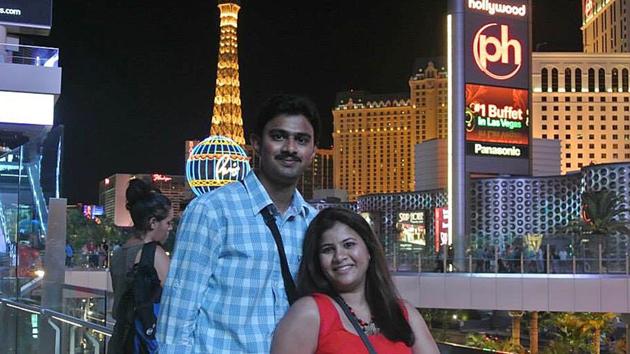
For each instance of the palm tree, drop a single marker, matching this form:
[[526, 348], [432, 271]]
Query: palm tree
[[601, 216], [582, 330], [516, 326], [486, 342], [533, 332]]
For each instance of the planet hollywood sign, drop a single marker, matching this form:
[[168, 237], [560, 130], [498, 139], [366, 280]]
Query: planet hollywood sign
[[497, 78], [494, 49], [497, 37], [493, 8]]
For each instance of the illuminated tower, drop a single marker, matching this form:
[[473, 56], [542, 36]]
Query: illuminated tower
[[226, 113]]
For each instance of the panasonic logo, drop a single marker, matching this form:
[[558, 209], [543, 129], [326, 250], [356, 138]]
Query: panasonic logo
[[497, 151], [493, 8]]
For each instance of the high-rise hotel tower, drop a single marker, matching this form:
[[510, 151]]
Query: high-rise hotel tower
[[605, 26], [375, 135]]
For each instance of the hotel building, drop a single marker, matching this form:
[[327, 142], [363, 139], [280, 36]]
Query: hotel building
[[605, 26], [583, 100], [374, 136]]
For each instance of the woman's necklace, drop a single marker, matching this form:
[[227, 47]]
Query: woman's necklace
[[369, 328]]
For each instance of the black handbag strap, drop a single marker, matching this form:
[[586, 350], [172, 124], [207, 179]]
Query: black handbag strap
[[355, 324], [289, 285]]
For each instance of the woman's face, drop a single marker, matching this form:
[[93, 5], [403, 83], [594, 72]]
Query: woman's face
[[344, 258], [162, 228]]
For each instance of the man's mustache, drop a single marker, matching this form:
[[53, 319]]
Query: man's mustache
[[288, 156]]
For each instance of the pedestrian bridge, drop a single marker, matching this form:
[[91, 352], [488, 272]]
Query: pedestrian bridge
[[516, 291], [480, 291]]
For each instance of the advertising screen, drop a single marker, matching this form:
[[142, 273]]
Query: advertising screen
[[26, 13], [92, 211], [497, 121], [440, 224], [411, 227], [496, 84]]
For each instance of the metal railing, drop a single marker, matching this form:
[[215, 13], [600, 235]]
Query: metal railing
[[416, 261], [29, 55], [26, 325]]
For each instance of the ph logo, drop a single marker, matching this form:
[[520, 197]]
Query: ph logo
[[498, 57]]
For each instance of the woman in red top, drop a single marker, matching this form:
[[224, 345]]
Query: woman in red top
[[342, 256]]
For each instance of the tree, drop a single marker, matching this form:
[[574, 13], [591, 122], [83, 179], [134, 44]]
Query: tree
[[484, 341], [81, 230], [580, 332], [516, 326], [601, 216], [533, 332]]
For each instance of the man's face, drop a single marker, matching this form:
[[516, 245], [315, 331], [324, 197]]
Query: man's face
[[286, 148]]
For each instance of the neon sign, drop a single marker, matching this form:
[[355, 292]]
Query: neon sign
[[496, 8], [440, 226], [226, 168], [161, 178], [588, 8], [488, 48]]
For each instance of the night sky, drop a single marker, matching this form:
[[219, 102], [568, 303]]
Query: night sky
[[138, 76]]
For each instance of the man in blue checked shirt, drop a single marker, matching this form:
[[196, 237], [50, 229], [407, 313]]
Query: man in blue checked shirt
[[224, 292]]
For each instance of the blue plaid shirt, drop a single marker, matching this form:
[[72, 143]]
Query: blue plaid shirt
[[224, 292]]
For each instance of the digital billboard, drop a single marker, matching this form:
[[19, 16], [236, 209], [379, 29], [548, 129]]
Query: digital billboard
[[497, 121], [26, 14], [497, 76], [93, 211], [440, 228], [27, 108], [411, 227]]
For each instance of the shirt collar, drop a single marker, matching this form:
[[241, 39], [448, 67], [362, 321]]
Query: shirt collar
[[260, 198]]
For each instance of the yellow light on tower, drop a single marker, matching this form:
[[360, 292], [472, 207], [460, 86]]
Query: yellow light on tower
[[227, 118]]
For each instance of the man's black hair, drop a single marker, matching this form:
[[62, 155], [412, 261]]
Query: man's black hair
[[288, 105]]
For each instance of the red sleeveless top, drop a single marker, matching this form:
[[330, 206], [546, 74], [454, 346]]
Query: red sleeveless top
[[334, 338]]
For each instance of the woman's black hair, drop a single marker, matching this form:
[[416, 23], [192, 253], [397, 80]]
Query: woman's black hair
[[145, 202], [385, 305]]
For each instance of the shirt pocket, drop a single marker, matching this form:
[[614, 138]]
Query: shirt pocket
[[246, 244]]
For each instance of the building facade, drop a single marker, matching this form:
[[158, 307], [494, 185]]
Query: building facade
[[583, 100], [319, 175], [505, 209], [605, 26], [374, 135]]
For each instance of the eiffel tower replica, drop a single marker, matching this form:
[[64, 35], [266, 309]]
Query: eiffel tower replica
[[227, 118]]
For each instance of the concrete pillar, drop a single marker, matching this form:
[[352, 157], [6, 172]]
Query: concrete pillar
[[55, 277], [3, 39], [457, 176]]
